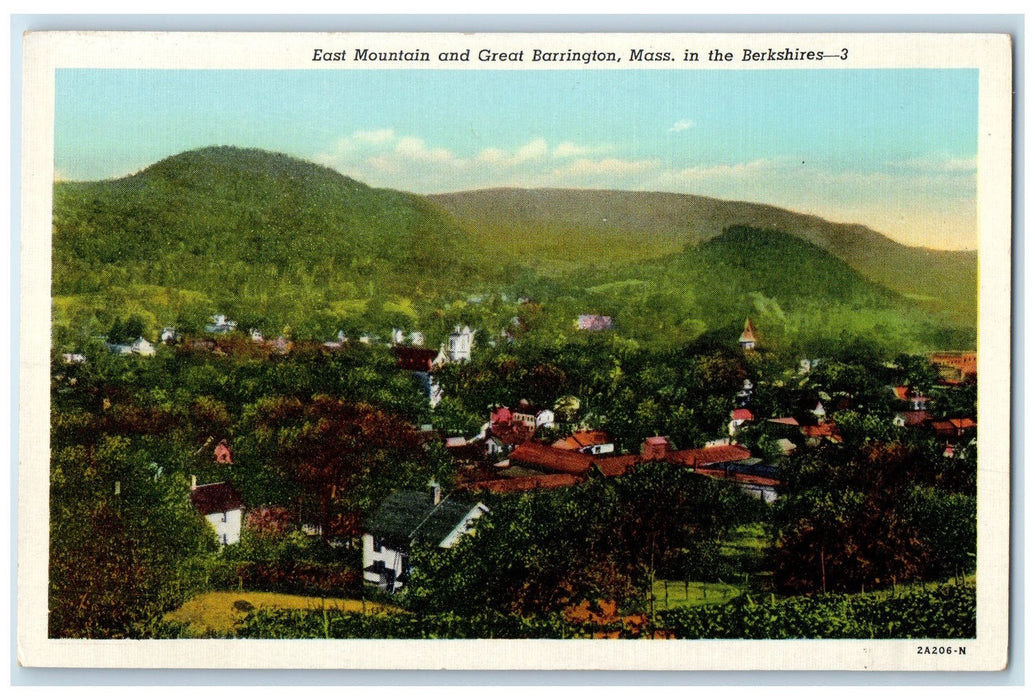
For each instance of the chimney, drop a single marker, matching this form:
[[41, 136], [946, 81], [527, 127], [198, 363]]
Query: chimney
[[436, 492], [193, 482]]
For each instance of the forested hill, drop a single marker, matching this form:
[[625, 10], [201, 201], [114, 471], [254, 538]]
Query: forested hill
[[285, 245], [248, 232], [800, 294], [566, 228]]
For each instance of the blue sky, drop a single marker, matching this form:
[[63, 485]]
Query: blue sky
[[892, 149]]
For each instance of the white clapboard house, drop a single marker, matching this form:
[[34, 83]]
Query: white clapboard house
[[404, 519]]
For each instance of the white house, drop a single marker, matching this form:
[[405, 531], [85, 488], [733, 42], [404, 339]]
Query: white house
[[738, 417], [531, 417], [414, 338], [404, 519], [806, 365], [222, 507], [461, 341], [220, 324], [141, 346]]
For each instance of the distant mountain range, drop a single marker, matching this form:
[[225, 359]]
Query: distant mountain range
[[275, 241], [568, 228]]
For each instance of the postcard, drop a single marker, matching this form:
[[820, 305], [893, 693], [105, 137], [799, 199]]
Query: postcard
[[515, 351]]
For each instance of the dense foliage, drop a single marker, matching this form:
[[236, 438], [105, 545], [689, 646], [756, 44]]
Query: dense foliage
[[858, 517], [331, 624], [945, 612], [607, 539], [129, 432]]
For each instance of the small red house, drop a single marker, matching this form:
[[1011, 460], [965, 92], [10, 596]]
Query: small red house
[[223, 453]]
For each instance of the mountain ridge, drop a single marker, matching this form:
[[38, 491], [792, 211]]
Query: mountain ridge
[[663, 222], [276, 241]]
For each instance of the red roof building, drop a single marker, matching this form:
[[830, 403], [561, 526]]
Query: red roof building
[[617, 466], [703, 456], [742, 414], [537, 456], [414, 359], [953, 427], [216, 498], [826, 431], [223, 453], [583, 438], [501, 415], [911, 419], [956, 367], [655, 447], [523, 483]]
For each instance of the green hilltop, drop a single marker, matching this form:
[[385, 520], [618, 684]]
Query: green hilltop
[[282, 244], [264, 237], [800, 294]]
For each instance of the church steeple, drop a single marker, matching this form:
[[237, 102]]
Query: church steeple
[[748, 338]]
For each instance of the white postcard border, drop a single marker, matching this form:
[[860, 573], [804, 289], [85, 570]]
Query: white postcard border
[[45, 52]]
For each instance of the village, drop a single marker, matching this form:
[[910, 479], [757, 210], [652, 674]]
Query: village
[[528, 447]]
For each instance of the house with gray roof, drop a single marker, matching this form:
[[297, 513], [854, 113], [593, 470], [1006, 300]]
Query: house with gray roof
[[407, 518]]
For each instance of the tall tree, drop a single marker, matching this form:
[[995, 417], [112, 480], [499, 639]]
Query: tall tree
[[345, 457]]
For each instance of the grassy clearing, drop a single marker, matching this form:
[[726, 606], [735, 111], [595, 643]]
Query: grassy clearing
[[219, 613], [401, 305], [620, 286]]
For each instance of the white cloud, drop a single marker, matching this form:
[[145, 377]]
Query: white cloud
[[681, 125], [415, 149], [492, 155], [382, 157], [937, 163], [567, 149], [536, 148]]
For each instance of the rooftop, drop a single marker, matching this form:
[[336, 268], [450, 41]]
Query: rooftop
[[703, 456], [216, 498], [412, 515], [551, 458]]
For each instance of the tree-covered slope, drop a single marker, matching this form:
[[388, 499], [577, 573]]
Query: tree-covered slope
[[796, 292], [281, 244], [565, 228], [250, 233]]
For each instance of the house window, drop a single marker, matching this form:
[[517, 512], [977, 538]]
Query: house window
[[377, 544]]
